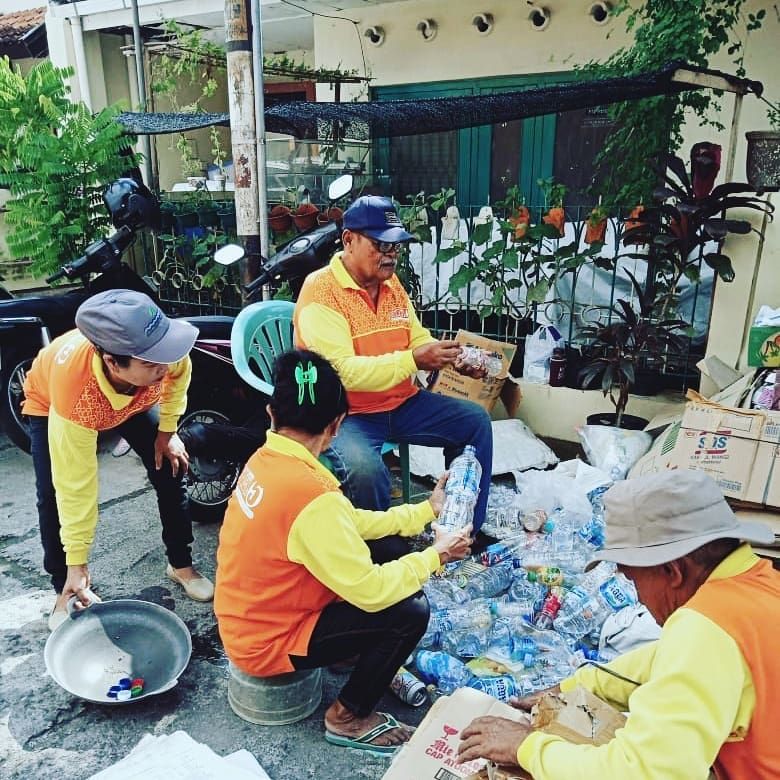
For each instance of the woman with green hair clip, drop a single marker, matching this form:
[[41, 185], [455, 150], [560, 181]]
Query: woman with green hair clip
[[306, 580]]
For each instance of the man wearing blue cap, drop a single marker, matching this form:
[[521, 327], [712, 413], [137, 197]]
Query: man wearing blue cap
[[126, 367], [356, 313]]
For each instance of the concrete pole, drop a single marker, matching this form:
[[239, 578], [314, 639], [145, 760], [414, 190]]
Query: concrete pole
[[242, 133], [81, 60], [138, 46], [257, 73]]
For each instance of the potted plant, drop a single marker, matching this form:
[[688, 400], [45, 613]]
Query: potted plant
[[305, 216], [280, 219], [620, 348], [553, 201], [596, 225], [763, 153]]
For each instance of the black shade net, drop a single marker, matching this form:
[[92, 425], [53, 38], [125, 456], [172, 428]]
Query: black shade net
[[387, 118]]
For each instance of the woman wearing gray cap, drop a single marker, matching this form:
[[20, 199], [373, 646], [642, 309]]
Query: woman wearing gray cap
[[127, 368]]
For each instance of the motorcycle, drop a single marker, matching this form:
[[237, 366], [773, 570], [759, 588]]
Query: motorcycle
[[28, 324], [218, 447]]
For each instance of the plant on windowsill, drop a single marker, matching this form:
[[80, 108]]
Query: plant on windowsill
[[632, 338]]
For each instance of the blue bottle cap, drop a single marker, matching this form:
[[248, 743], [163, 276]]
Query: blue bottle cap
[[125, 682], [113, 691]]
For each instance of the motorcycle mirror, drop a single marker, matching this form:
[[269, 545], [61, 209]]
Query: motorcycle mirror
[[341, 186], [229, 254]]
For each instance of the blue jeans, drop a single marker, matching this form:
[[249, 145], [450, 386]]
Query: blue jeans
[[426, 418], [140, 432]]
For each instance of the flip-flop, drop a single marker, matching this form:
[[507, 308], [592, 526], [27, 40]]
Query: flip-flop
[[363, 742]]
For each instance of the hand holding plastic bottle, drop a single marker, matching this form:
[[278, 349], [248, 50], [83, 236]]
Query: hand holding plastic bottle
[[451, 545]]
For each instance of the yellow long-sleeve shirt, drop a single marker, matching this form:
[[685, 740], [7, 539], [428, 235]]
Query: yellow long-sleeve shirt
[[67, 384], [696, 692], [292, 543], [371, 348]]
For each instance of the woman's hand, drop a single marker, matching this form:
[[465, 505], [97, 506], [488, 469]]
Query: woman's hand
[[452, 546], [169, 446]]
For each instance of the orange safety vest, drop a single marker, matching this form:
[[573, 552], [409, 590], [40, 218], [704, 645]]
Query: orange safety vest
[[61, 377], [374, 331], [267, 605], [747, 608]]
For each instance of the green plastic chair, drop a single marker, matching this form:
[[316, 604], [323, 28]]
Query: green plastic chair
[[260, 333]]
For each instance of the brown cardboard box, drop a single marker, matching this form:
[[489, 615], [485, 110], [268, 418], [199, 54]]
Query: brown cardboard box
[[484, 392], [737, 447], [432, 751], [578, 716]]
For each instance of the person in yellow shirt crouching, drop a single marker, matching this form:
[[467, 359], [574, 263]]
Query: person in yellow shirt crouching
[[125, 367], [305, 580], [705, 693]]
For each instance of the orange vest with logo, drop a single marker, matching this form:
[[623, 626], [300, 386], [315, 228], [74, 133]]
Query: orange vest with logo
[[267, 605], [61, 377], [747, 608], [374, 332]]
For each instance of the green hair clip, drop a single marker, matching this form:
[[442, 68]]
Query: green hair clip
[[303, 378]]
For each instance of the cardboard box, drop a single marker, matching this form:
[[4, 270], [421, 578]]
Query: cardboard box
[[737, 447], [764, 346], [431, 753], [484, 392], [578, 716]]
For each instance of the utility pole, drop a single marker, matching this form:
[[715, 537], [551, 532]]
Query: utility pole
[[257, 73], [243, 138]]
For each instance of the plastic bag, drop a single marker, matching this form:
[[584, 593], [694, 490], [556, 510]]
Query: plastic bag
[[538, 351], [613, 450]]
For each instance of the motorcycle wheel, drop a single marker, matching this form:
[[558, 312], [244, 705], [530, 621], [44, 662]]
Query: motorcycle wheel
[[14, 422], [210, 481]]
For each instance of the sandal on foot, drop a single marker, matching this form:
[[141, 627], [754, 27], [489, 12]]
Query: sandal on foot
[[363, 742]]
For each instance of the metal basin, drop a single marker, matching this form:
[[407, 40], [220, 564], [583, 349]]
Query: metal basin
[[95, 647]]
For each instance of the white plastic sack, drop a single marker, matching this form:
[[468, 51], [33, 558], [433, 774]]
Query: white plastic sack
[[515, 448], [613, 450], [549, 490], [627, 629], [538, 351]]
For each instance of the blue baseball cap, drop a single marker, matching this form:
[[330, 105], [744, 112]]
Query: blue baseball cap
[[375, 217]]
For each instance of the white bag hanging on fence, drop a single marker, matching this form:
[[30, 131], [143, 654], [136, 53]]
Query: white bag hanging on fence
[[538, 351]]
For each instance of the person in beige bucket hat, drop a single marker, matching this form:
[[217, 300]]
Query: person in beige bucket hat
[[701, 698]]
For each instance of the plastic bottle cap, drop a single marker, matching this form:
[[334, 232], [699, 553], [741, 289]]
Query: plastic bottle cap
[[124, 694], [113, 691], [125, 682], [138, 681], [136, 690]]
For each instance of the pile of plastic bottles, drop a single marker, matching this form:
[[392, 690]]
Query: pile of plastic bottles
[[523, 614]]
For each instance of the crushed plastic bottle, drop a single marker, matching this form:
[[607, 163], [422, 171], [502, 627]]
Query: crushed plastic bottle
[[490, 582], [501, 688], [461, 491], [482, 359], [445, 671]]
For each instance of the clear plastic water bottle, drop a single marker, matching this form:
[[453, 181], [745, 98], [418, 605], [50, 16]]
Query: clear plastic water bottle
[[442, 593], [501, 688], [508, 550], [617, 592], [461, 491], [446, 672], [523, 608], [467, 642], [490, 582], [550, 608], [575, 618], [599, 574], [477, 614], [522, 589]]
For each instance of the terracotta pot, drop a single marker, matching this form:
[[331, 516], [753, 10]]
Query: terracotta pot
[[594, 234], [305, 216], [333, 214], [280, 219]]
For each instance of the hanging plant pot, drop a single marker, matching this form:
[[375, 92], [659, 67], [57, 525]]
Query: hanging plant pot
[[763, 160], [556, 216], [333, 214], [305, 216], [280, 219]]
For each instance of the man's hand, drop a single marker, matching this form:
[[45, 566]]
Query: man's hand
[[436, 355], [527, 703], [169, 446], [437, 496], [76, 583], [452, 546], [494, 738]]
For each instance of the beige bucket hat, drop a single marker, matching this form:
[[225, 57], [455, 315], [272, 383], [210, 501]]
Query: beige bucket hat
[[660, 517]]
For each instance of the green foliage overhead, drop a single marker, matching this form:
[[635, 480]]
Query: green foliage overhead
[[56, 159], [663, 31]]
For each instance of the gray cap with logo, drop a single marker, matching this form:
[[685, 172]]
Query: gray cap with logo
[[125, 322]]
